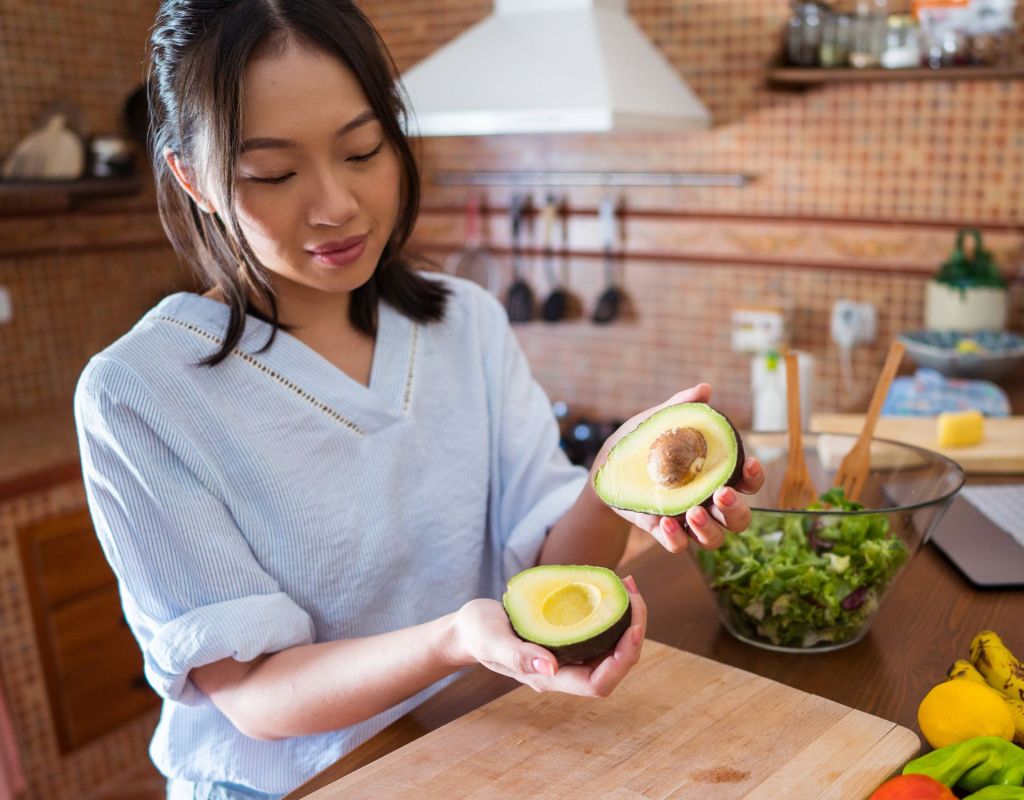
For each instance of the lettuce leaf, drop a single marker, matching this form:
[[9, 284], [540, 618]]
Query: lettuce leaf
[[800, 581]]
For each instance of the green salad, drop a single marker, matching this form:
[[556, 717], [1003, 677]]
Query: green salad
[[797, 581]]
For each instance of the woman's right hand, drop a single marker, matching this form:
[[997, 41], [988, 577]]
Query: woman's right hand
[[483, 634]]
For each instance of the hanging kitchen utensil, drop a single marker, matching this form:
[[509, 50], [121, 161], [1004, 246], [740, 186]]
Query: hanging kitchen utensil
[[573, 304], [554, 306], [519, 301], [853, 471], [473, 261], [611, 300], [797, 485]]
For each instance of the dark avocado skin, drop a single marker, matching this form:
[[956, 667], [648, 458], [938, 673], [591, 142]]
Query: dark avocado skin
[[596, 646]]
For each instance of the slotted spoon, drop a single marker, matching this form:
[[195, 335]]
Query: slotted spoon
[[797, 487], [853, 471]]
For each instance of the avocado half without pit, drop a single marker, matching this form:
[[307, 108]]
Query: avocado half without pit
[[577, 612], [672, 461]]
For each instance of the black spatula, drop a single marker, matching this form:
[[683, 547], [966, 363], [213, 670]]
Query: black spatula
[[607, 308], [519, 301]]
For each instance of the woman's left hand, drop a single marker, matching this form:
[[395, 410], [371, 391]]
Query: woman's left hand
[[728, 510]]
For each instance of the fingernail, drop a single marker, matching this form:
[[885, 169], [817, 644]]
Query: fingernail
[[630, 583], [637, 635], [699, 517], [670, 525], [542, 667], [727, 498], [753, 468]]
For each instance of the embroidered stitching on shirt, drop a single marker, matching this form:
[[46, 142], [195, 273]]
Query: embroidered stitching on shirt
[[407, 397], [248, 359]]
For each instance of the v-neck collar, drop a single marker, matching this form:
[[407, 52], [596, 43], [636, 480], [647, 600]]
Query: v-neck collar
[[300, 369]]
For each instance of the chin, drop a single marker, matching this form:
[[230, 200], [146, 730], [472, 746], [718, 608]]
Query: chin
[[331, 280]]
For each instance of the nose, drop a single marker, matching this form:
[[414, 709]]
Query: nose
[[332, 201]]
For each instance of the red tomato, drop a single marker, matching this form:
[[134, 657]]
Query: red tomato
[[912, 787]]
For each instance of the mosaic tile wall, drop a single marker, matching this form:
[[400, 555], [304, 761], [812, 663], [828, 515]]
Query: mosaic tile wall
[[950, 151], [909, 151]]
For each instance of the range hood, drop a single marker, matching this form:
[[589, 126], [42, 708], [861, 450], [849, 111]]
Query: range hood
[[550, 66]]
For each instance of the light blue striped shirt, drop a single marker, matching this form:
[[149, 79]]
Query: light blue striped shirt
[[273, 501]]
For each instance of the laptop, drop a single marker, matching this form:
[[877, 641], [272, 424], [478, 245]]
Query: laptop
[[986, 546]]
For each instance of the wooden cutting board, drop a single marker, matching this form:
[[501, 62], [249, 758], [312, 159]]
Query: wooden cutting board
[[1000, 452], [679, 725]]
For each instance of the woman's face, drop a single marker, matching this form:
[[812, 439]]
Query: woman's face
[[318, 185]]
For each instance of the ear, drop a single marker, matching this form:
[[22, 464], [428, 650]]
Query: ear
[[184, 177]]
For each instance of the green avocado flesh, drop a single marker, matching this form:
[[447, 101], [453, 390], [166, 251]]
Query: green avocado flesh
[[673, 460], [576, 612]]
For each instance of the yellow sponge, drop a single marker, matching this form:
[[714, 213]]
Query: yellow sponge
[[961, 428]]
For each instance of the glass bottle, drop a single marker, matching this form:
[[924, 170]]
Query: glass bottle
[[835, 41], [902, 48], [803, 34], [867, 38]]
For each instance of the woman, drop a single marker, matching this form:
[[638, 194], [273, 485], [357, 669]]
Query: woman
[[314, 479]]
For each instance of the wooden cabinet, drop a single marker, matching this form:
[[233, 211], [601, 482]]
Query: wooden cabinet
[[92, 663]]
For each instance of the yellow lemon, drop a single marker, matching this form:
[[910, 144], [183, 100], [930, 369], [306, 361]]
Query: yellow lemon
[[958, 710]]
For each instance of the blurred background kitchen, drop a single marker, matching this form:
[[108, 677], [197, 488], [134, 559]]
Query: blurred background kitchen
[[827, 177]]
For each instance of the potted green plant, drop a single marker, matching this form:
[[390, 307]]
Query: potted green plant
[[969, 293]]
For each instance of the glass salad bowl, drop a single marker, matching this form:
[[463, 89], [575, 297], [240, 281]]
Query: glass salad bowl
[[812, 580]]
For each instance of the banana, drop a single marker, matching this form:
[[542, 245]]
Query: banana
[[965, 670], [1002, 671], [997, 664]]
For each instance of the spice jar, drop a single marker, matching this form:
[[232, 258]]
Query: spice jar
[[803, 34], [902, 48], [867, 37], [835, 41]]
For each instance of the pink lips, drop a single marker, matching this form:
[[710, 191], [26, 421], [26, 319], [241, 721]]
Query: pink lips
[[339, 253]]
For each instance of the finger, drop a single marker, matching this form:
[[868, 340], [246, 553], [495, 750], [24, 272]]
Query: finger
[[705, 530], [528, 659], [752, 478], [610, 672], [701, 393], [732, 512], [670, 534], [638, 606]]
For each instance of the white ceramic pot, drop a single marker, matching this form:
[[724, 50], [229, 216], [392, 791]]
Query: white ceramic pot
[[978, 308]]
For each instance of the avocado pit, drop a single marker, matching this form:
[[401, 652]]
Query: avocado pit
[[676, 457]]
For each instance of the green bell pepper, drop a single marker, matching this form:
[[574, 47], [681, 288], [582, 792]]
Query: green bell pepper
[[973, 765]]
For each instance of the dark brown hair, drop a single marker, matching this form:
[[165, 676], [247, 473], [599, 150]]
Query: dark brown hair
[[199, 50]]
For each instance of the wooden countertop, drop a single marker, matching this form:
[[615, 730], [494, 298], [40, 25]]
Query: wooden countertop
[[926, 623]]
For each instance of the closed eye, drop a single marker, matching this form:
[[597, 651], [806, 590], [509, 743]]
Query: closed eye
[[277, 179], [367, 156]]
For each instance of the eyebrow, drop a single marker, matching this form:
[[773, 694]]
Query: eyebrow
[[269, 143]]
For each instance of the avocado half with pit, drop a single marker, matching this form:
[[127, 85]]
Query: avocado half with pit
[[577, 612], [672, 461]]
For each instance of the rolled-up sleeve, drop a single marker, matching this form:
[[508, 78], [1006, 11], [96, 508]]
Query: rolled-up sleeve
[[192, 591], [537, 482]]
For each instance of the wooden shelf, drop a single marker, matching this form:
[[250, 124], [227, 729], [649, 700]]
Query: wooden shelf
[[75, 190], [811, 76]]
